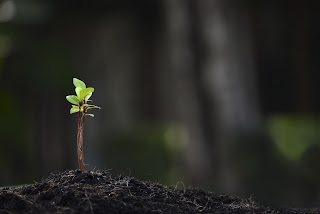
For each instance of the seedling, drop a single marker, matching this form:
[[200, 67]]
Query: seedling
[[80, 105]]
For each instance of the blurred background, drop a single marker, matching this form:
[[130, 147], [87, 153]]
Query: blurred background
[[217, 94]]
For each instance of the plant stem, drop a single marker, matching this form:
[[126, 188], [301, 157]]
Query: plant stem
[[79, 142], [80, 156]]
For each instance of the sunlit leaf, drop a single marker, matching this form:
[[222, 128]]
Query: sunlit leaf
[[78, 90], [83, 95], [92, 106], [74, 110], [85, 92], [79, 83], [88, 96], [73, 99]]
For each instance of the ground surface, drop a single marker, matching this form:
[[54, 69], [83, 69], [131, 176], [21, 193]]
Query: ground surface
[[97, 192]]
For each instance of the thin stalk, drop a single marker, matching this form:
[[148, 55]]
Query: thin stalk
[[78, 139], [81, 158]]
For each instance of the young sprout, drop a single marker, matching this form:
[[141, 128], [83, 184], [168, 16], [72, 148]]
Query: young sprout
[[80, 105]]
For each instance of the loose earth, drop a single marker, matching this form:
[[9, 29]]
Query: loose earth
[[74, 191]]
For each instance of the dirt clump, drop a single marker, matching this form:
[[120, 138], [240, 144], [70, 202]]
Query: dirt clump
[[98, 192]]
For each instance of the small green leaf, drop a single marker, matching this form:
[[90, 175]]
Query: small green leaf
[[85, 92], [73, 99], [74, 109], [91, 115], [88, 96], [78, 90], [92, 106], [79, 83]]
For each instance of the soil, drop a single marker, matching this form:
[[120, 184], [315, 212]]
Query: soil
[[98, 192]]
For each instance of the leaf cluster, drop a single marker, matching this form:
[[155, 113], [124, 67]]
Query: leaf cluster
[[81, 98]]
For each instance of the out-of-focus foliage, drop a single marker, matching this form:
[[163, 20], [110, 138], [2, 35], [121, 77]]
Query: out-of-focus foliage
[[294, 134]]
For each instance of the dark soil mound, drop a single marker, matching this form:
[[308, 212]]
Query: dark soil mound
[[97, 192]]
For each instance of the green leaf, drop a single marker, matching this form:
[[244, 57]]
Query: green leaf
[[78, 90], [79, 83], [85, 92], [74, 109], [88, 96], [73, 99], [91, 115], [92, 106]]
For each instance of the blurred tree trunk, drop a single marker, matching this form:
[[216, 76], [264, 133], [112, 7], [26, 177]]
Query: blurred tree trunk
[[181, 98], [302, 78], [214, 91], [228, 77]]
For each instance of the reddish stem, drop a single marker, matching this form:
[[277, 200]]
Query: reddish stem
[[78, 140], [80, 156]]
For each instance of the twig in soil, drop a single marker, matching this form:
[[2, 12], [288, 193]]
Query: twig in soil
[[89, 203], [180, 183]]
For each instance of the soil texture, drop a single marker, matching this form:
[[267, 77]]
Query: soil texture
[[98, 192]]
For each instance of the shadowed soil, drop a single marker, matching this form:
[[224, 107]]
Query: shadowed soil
[[97, 192]]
